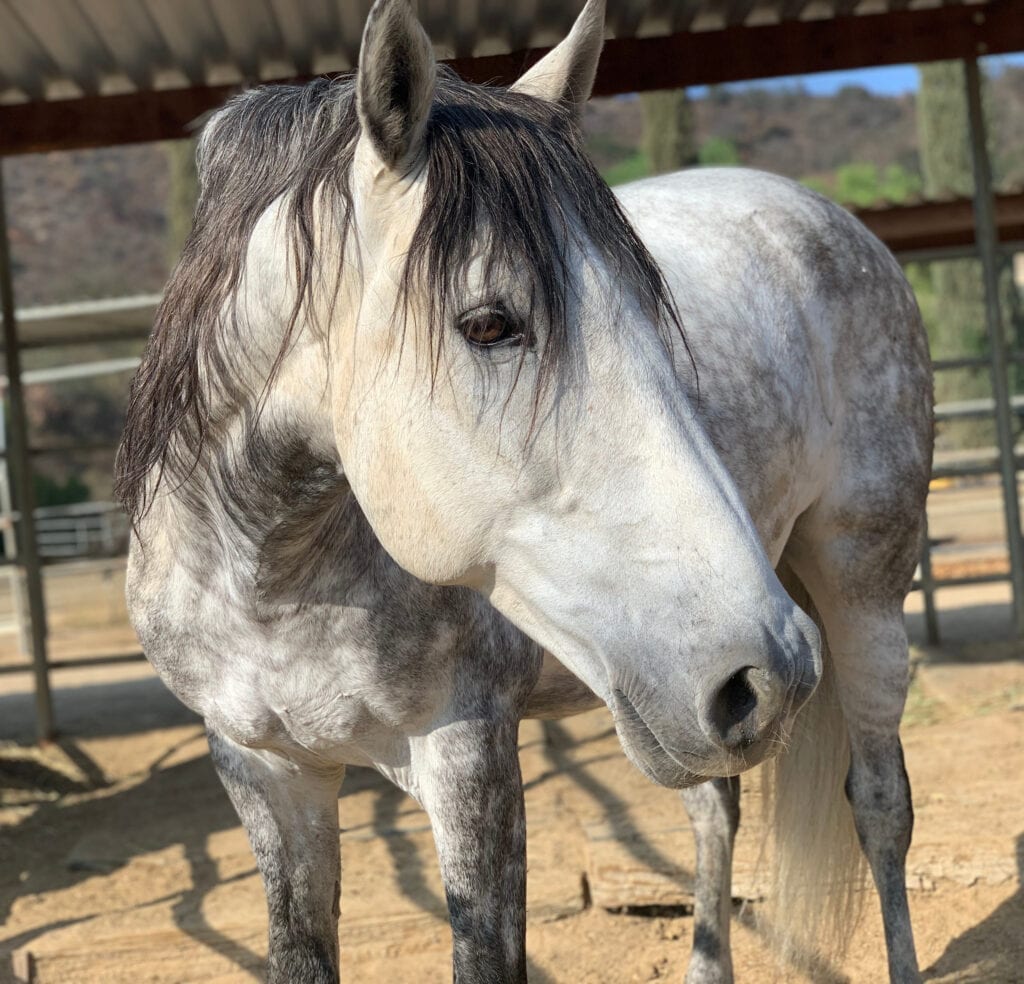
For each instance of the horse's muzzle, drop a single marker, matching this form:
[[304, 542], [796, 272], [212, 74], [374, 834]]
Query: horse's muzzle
[[744, 720]]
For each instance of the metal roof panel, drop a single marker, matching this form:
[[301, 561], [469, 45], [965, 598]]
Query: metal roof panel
[[61, 47], [190, 32], [165, 62], [70, 41], [132, 37]]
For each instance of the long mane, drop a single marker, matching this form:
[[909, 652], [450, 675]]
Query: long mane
[[496, 160]]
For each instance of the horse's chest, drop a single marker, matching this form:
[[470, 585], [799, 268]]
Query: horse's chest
[[311, 678]]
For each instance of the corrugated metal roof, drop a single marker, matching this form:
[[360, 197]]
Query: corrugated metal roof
[[89, 73], [67, 49]]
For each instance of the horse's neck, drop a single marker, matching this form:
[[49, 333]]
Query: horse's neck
[[267, 447]]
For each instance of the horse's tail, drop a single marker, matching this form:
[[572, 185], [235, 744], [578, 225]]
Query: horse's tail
[[817, 867]]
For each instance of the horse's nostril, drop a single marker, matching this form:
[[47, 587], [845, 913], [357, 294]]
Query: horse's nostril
[[733, 719], [737, 697]]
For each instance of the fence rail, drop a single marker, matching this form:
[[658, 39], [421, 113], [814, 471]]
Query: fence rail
[[89, 529], [965, 464]]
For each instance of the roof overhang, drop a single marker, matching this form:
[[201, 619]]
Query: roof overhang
[[111, 81]]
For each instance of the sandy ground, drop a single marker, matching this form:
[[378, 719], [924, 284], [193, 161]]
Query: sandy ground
[[122, 861]]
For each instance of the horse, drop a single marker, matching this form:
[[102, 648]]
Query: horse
[[434, 432]]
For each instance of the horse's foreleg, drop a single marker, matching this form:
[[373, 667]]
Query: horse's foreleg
[[467, 774], [291, 817], [714, 811]]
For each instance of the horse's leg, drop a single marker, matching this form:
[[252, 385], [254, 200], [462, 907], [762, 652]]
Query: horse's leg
[[714, 811], [871, 661], [858, 579], [467, 776], [291, 817]]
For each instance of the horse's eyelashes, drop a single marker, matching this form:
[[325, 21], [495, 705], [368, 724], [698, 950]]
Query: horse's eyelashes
[[493, 327]]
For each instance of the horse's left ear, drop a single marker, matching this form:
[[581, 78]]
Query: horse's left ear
[[566, 73], [395, 87]]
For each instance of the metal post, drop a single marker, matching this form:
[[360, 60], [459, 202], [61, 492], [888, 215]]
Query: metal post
[[10, 541], [15, 581], [28, 556], [931, 617], [988, 247]]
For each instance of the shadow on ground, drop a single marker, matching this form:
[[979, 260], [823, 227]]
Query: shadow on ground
[[96, 710], [966, 628], [168, 798], [999, 936], [182, 803]]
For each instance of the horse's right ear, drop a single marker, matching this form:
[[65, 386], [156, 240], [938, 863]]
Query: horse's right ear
[[395, 86]]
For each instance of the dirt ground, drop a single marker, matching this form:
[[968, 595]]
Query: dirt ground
[[122, 861]]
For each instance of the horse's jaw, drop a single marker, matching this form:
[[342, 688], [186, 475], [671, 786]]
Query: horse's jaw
[[664, 667]]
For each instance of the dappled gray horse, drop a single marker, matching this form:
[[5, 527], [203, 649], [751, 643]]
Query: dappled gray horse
[[418, 367]]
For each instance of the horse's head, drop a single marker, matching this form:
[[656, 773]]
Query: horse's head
[[506, 407]]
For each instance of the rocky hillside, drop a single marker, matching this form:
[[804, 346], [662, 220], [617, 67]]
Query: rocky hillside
[[93, 223], [785, 131], [791, 132], [87, 224]]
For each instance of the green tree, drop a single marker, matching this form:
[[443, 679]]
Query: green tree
[[669, 140], [51, 491], [718, 150], [858, 184], [632, 168], [899, 184], [182, 194], [862, 185], [942, 130]]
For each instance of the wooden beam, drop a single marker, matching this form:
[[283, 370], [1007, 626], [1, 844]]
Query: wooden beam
[[627, 65], [800, 47], [941, 225], [104, 121]]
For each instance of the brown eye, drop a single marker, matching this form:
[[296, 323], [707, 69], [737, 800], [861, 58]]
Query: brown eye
[[491, 327]]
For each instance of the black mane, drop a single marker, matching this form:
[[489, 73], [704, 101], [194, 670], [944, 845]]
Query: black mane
[[496, 159]]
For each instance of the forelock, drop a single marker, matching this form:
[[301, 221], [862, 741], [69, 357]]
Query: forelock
[[495, 160]]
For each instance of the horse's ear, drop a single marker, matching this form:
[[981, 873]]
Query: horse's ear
[[397, 70], [566, 73]]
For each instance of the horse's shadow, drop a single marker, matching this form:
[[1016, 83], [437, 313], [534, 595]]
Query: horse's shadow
[[180, 804], [148, 816], [993, 950], [172, 797]]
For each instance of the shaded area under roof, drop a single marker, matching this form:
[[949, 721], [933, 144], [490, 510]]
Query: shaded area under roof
[[77, 73]]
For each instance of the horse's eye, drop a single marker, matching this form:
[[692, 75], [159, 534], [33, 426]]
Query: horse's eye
[[491, 327]]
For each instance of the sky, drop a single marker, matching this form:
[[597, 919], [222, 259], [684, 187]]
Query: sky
[[890, 80]]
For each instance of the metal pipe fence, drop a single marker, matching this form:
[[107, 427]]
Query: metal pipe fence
[[1002, 406], [976, 463], [87, 529]]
